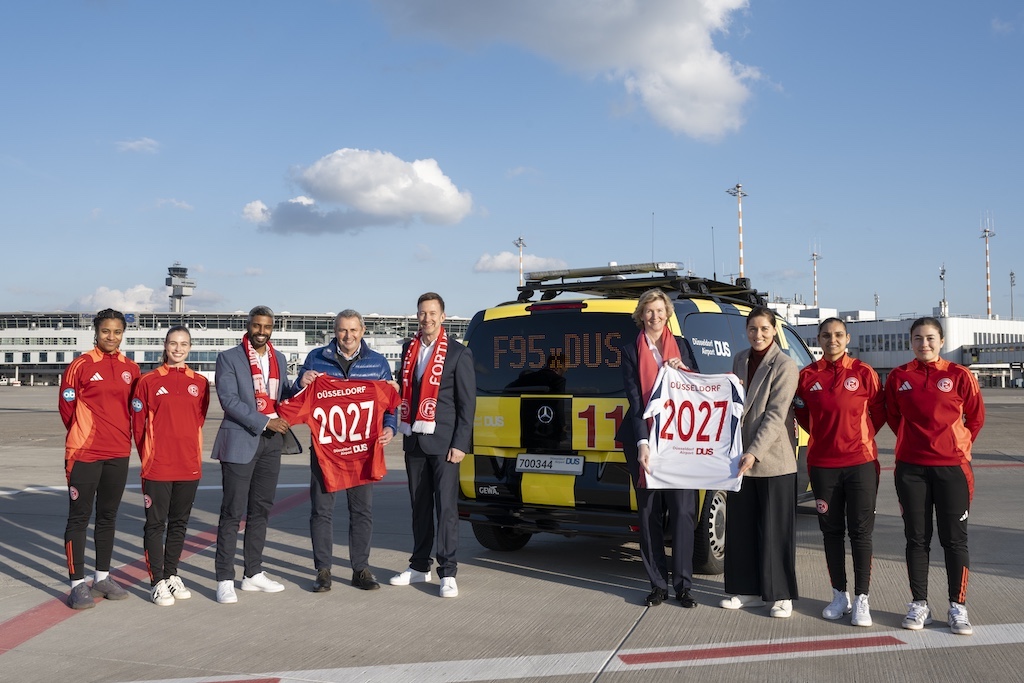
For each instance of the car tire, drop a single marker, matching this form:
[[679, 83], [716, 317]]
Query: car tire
[[501, 538], [709, 535]]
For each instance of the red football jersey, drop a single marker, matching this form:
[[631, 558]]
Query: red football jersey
[[345, 418], [168, 411]]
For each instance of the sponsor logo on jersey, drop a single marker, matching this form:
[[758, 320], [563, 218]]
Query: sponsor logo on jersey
[[945, 385], [69, 394], [851, 384], [127, 377], [147, 501], [821, 505], [193, 390], [428, 408], [905, 386], [96, 378], [73, 492], [162, 391], [137, 405], [815, 387]]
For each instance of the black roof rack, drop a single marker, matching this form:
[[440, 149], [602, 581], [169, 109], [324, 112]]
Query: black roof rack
[[625, 281]]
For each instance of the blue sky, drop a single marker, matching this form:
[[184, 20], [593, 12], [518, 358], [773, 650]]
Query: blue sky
[[317, 155]]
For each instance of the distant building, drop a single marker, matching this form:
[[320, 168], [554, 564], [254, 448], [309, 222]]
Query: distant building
[[36, 347]]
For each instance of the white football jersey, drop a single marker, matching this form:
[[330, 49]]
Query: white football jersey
[[695, 436]]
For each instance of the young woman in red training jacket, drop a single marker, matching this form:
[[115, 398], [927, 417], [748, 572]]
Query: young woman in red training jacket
[[936, 411], [169, 408], [95, 391], [839, 402]]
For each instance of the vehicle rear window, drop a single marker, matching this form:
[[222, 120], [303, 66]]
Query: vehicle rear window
[[563, 352]]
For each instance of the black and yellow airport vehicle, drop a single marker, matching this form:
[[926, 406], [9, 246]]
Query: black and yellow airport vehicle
[[550, 397]]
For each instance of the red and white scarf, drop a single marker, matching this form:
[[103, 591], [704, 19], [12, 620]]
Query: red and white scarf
[[430, 385], [264, 390], [645, 359]]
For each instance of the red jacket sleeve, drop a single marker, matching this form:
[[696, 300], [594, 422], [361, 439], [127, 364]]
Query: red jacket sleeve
[[892, 409], [974, 406], [876, 404], [139, 412]]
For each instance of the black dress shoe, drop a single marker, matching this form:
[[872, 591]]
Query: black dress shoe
[[686, 600], [364, 579], [323, 581], [657, 596]]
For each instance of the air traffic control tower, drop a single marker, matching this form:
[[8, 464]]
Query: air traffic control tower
[[181, 286]]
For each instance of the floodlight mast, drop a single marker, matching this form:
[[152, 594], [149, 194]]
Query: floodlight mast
[[739, 194]]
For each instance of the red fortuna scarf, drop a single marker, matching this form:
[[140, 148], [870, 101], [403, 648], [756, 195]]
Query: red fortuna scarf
[[430, 385], [645, 359], [264, 403]]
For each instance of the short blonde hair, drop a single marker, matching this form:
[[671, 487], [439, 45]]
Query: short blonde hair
[[646, 298]]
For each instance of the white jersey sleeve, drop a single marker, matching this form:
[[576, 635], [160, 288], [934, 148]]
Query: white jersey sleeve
[[695, 434]]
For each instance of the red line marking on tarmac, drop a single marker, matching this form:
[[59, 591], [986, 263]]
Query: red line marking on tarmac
[[29, 624], [760, 649]]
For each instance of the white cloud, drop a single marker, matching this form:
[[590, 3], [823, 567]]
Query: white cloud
[[256, 212], [423, 252], [367, 188], [1002, 27], [252, 272], [137, 299], [508, 262], [662, 51], [174, 203], [147, 145]]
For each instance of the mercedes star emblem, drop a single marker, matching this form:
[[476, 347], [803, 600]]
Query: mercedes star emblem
[[546, 414]]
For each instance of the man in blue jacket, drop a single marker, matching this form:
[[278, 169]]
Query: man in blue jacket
[[347, 357]]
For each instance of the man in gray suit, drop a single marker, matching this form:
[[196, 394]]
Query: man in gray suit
[[438, 387], [251, 378]]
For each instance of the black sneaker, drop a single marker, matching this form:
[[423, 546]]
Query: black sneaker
[[323, 581], [656, 597], [81, 597], [108, 589], [364, 579], [685, 599]]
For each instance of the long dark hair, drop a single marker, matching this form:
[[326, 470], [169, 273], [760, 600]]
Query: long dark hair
[[176, 328]]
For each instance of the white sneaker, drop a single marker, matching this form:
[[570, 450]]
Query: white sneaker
[[410, 575], [450, 589], [177, 588], [958, 622], [839, 606], [162, 594], [782, 609], [861, 611], [261, 582], [226, 592], [738, 601], [918, 616]]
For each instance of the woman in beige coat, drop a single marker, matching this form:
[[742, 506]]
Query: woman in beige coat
[[760, 526]]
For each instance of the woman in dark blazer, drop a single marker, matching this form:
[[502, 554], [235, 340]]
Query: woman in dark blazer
[[760, 518], [641, 360]]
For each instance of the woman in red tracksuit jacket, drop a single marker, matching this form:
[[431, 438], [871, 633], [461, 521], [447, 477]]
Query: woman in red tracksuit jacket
[[169, 408], [936, 411], [839, 402]]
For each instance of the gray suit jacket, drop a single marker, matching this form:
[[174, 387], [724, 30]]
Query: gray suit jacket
[[239, 432], [768, 421], [456, 405]]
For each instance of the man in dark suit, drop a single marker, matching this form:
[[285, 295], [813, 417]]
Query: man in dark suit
[[438, 387], [251, 378]]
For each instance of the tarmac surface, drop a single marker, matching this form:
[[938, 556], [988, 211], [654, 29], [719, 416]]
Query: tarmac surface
[[559, 610]]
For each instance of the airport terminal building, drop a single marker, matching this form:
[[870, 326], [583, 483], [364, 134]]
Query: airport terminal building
[[993, 349], [35, 348]]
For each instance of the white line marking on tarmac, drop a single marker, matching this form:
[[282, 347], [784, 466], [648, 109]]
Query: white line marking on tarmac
[[543, 666]]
